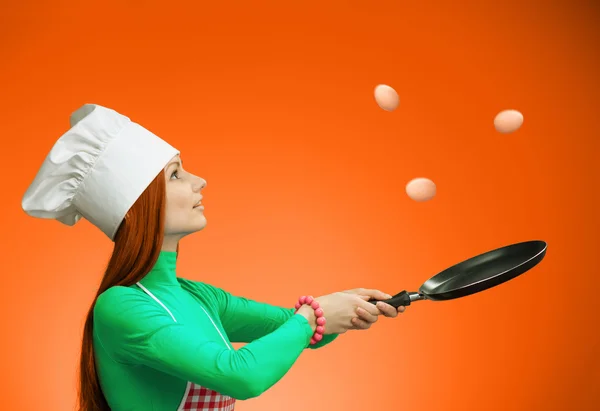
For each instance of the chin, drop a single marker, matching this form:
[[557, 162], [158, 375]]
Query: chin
[[191, 226], [200, 225]]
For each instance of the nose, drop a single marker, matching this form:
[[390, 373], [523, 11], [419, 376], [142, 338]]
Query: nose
[[199, 184]]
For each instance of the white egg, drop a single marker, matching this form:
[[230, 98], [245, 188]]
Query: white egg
[[421, 189], [508, 121], [386, 97]]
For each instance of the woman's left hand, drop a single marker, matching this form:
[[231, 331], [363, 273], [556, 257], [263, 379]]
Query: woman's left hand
[[365, 319]]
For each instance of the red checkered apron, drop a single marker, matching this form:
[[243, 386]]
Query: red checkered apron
[[197, 397]]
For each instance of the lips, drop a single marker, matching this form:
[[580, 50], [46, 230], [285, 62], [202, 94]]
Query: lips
[[198, 204]]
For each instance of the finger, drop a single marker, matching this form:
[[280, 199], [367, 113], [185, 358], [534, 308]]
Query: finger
[[387, 310], [375, 294], [359, 324], [401, 309], [366, 316], [369, 307]]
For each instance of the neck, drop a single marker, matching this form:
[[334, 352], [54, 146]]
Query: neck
[[170, 243], [164, 271]]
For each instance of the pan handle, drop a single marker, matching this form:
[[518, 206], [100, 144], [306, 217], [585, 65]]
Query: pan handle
[[403, 298]]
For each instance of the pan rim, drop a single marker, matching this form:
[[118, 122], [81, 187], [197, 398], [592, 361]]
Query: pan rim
[[466, 288]]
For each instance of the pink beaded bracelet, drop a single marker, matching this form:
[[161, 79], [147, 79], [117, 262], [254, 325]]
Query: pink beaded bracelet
[[309, 300]]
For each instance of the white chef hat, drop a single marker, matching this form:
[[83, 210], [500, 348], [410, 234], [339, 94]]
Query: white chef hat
[[97, 170]]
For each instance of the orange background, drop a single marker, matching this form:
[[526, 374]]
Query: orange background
[[272, 103]]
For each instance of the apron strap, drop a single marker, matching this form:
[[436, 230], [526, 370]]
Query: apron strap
[[157, 300]]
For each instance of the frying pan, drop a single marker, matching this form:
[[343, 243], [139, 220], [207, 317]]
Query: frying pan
[[475, 274]]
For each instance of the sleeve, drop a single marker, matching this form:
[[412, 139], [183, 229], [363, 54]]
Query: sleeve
[[245, 320], [135, 331]]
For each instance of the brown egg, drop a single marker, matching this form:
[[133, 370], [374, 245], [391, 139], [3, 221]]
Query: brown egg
[[386, 97], [508, 121], [421, 189]]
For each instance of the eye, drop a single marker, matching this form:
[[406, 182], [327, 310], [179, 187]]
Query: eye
[[175, 174]]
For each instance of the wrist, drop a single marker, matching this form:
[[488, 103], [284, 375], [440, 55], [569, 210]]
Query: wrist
[[315, 318], [308, 313]]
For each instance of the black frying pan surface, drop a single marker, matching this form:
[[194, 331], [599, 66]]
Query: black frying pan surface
[[476, 274]]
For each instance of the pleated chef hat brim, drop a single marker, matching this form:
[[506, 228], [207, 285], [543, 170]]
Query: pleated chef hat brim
[[97, 170]]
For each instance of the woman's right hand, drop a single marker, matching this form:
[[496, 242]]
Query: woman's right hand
[[339, 309]]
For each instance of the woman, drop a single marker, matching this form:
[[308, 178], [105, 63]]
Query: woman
[[154, 340]]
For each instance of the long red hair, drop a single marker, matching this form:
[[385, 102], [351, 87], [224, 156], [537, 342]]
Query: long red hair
[[137, 246]]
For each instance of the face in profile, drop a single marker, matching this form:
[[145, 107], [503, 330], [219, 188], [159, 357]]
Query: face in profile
[[184, 210]]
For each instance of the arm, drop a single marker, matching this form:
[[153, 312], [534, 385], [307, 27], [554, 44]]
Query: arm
[[136, 331], [246, 320]]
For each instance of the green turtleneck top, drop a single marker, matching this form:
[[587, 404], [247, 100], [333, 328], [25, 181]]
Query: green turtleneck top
[[147, 349]]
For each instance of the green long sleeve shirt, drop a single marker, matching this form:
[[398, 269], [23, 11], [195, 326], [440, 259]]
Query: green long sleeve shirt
[[147, 350]]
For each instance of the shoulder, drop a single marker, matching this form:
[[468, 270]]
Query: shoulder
[[110, 300], [121, 307], [125, 319]]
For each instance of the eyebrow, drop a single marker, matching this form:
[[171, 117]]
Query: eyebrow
[[175, 163]]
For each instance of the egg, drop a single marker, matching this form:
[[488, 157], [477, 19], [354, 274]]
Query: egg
[[508, 121], [421, 189], [386, 97]]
